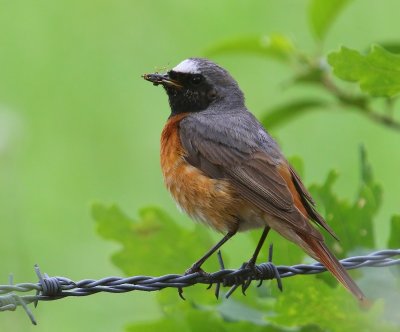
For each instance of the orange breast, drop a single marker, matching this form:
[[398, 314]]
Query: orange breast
[[208, 200]]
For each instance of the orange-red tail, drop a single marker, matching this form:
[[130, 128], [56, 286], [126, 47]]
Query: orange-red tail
[[321, 252]]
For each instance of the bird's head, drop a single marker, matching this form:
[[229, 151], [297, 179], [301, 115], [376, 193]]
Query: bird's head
[[195, 84]]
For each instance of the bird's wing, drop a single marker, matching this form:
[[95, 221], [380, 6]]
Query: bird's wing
[[250, 159], [309, 204]]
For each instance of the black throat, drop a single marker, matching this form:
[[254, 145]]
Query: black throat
[[188, 100]]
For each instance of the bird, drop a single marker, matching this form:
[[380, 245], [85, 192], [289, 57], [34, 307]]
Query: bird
[[223, 169]]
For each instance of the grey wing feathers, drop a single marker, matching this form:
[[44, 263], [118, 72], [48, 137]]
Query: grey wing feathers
[[265, 181], [234, 151]]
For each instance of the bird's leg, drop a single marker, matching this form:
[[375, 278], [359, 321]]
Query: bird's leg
[[250, 264], [196, 267], [253, 259], [245, 282]]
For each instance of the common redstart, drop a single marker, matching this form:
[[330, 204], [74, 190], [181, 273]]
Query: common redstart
[[223, 168]]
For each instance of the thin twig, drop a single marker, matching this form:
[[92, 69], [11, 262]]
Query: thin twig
[[360, 103]]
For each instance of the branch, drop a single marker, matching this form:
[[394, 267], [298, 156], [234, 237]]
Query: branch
[[55, 288], [360, 103]]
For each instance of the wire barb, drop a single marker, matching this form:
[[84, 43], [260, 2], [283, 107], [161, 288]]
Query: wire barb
[[11, 301], [54, 288]]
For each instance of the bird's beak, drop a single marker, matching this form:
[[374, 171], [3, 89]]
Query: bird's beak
[[163, 79]]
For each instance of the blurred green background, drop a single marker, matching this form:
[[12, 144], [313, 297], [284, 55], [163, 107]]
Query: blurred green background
[[78, 124]]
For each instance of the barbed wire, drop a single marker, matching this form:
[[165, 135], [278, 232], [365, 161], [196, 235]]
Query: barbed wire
[[55, 288]]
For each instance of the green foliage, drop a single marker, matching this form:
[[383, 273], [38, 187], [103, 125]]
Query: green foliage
[[322, 14], [352, 221], [190, 319], [188, 315], [275, 46], [313, 302], [155, 240], [377, 73], [394, 238], [289, 111], [391, 46]]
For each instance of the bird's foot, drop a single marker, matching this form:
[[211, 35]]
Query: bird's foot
[[195, 268], [254, 272], [244, 280]]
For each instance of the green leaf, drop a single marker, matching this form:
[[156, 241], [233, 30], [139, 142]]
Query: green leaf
[[198, 321], [154, 244], [275, 46], [234, 311], [308, 301], [322, 13], [191, 317], [393, 47], [186, 315], [394, 238], [283, 113], [377, 73], [352, 221]]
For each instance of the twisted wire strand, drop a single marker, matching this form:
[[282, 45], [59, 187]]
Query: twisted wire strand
[[54, 288]]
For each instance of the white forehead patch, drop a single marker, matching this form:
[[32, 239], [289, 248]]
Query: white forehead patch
[[187, 66]]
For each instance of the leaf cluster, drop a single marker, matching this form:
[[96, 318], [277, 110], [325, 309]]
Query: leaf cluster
[[374, 75]]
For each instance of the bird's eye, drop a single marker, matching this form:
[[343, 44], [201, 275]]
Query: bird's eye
[[196, 79], [172, 75]]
